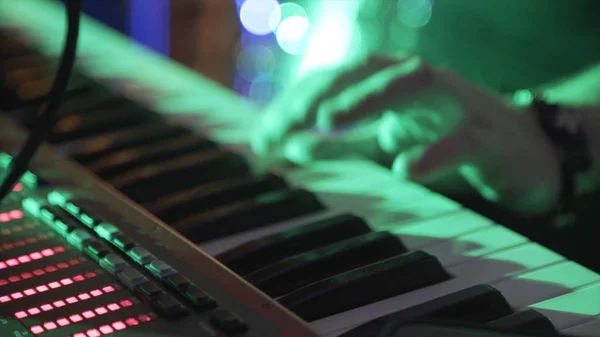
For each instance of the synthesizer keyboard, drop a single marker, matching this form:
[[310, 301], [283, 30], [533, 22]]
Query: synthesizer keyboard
[[339, 243]]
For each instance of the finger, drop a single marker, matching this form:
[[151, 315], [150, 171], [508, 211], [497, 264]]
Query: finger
[[376, 94], [426, 164], [304, 147], [297, 109], [400, 131]]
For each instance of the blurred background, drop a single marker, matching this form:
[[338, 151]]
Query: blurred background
[[258, 47]]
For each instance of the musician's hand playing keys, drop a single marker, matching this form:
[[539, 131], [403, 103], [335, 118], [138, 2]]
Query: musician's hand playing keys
[[437, 128]]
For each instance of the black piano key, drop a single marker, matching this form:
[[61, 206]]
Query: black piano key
[[261, 252], [527, 320], [303, 269], [94, 148], [476, 304], [253, 213], [365, 285], [73, 127], [152, 181], [209, 196], [125, 160]]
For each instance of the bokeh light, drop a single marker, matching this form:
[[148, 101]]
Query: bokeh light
[[292, 34], [261, 89], [260, 16], [255, 61], [415, 13]]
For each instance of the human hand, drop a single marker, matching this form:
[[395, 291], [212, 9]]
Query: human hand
[[437, 127]]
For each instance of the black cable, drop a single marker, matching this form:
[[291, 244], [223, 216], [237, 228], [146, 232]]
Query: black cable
[[48, 117]]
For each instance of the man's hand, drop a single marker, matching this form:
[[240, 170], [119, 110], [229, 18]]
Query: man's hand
[[436, 126]]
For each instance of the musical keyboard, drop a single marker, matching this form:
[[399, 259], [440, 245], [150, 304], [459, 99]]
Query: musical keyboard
[[339, 243]]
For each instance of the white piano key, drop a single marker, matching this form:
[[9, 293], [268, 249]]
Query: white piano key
[[545, 283], [473, 245], [493, 267], [574, 308], [589, 329]]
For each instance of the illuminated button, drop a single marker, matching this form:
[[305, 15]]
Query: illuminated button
[[62, 227], [177, 282], [105, 230], [160, 269], [168, 307], [149, 290], [199, 298], [80, 238], [140, 255], [122, 242], [113, 263], [96, 250], [131, 277], [227, 322]]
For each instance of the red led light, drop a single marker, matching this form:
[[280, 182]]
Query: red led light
[[126, 303], [66, 281], [88, 314], [144, 318], [72, 300], [36, 255], [4, 299], [121, 326], [16, 214], [54, 285], [106, 329], [18, 187], [101, 310], [78, 278], [62, 265], [131, 322], [50, 325], [75, 318], [90, 274], [96, 293], [51, 269], [47, 252], [17, 295], [113, 306], [42, 288], [4, 217], [36, 329], [33, 311], [24, 259], [26, 275], [29, 292], [79, 334], [93, 333], [74, 262], [38, 272], [108, 289], [3, 282], [46, 307], [12, 262], [59, 249], [2, 265], [59, 304], [83, 296], [14, 279], [63, 322], [21, 314]]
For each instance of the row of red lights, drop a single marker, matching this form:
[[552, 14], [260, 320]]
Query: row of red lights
[[31, 257], [17, 228], [24, 242], [77, 318], [46, 287], [61, 303], [39, 272], [115, 326], [10, 216]]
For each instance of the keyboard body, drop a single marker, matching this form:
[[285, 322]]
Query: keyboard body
[[471, 249]]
